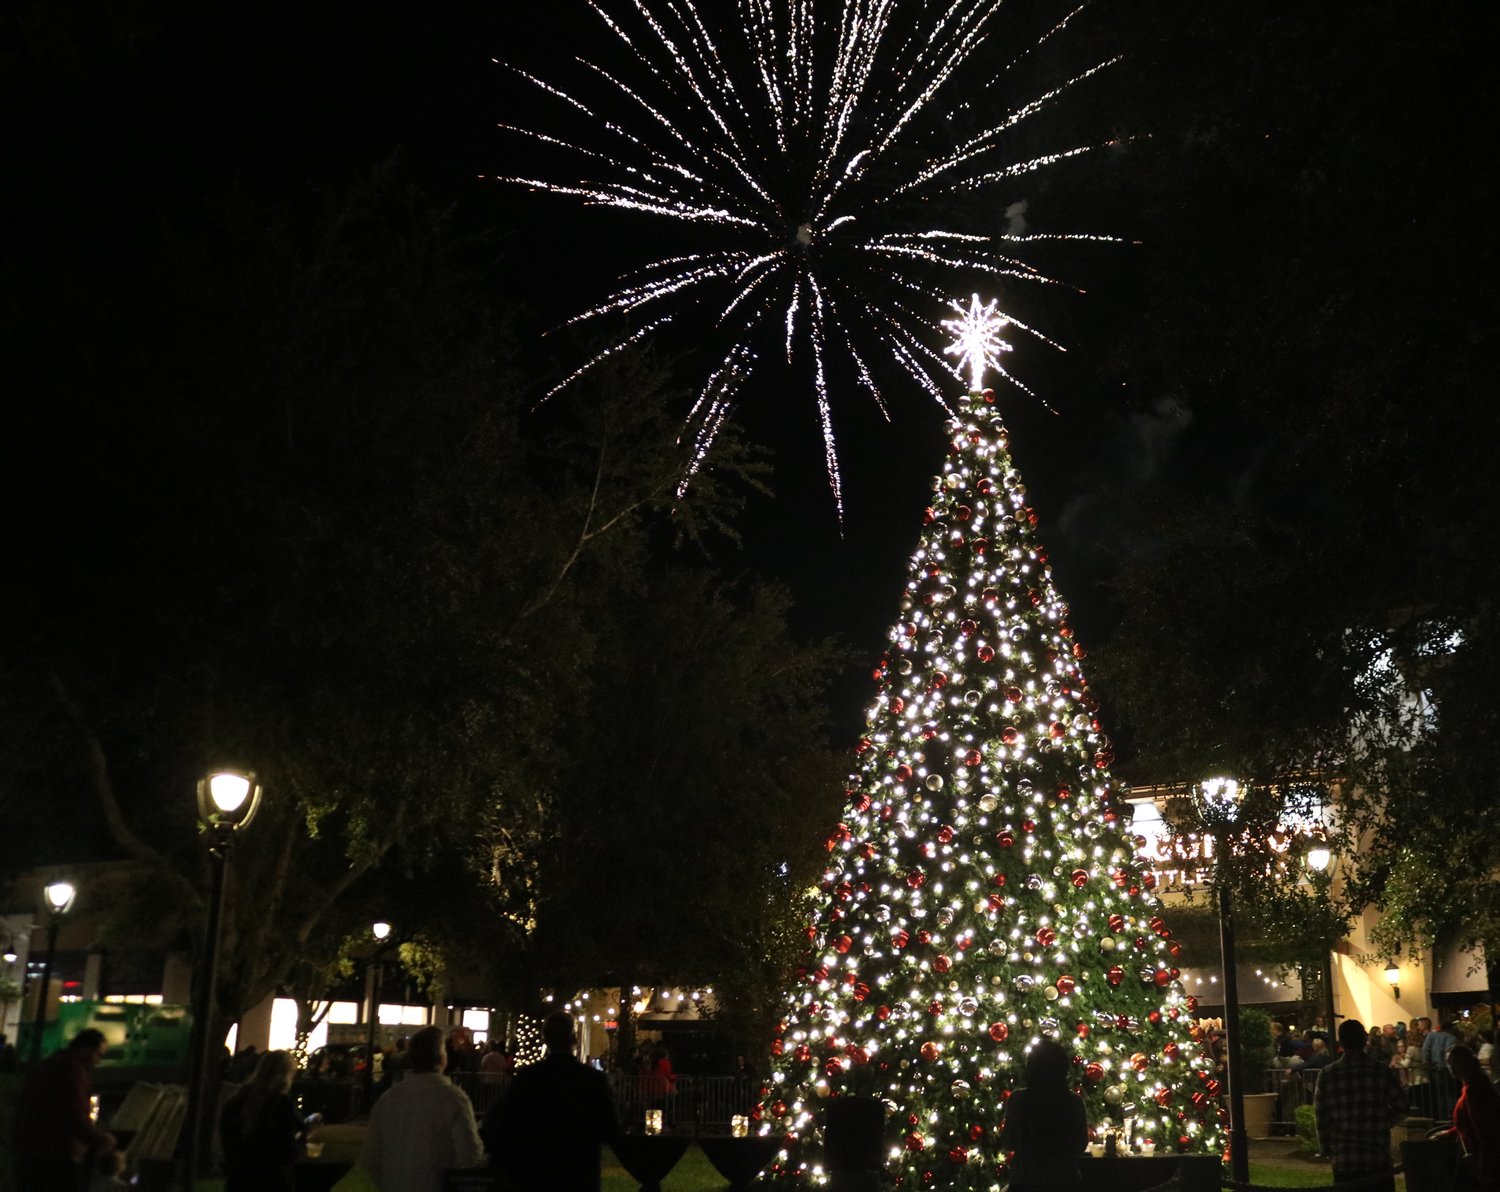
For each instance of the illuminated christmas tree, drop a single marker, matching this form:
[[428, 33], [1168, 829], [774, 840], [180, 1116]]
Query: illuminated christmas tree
[[982, 890]]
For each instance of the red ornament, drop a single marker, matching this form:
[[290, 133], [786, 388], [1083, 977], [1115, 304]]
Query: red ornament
[[1139, 1061], [1005, 839], [968, 628], [973, 757], [985, 654], [999, 1031], [1094, 1073], [900, 940], [1154, 1018], [842, 945], [934, 1007], [1162, 978], [1013, 694], [803, 1053], [1164, 1097], [1080, 878], [924, 936], [833, 1068], [1065, 985], [1046, 937], [916, 879], [976, 1132], [1055, 730], [958, 1156], [882, 1013], [1010, 734], [945, 835], [941, 964], [931, 1050], [914, 1141], [777, 1047], [1117, 923], [1171, 1051], [1115, 975], [903, 772]]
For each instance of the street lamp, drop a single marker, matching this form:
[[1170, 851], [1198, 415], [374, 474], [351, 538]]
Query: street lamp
[[1320, 861], [59, 897], [381, 930], [1393, 975], [227, 802], [1221, 799]]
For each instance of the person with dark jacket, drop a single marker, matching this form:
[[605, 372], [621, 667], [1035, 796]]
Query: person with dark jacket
[[55, 1131], [545, 1135], [261, 1130], [1045, 1123]]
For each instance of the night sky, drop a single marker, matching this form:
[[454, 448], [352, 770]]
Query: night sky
[[125, 115]]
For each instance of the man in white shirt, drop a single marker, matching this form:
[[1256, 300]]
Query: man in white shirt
[[423, 1126]]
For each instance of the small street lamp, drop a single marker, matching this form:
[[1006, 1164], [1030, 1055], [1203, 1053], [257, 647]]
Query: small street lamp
[[59, 897], [1393, 975], [381, 930], [227, 802], [1320, 861], [1221, 799]]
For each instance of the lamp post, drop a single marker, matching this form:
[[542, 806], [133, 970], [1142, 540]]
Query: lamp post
[[381, 931], [227, 802], [59, 897], [1221, 798], [1320, 861]]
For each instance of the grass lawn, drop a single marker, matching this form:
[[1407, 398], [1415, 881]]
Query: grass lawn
[[694, 1173], [1285, 1175]]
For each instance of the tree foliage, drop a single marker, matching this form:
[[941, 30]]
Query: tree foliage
[[1316, 308], [291, 512]]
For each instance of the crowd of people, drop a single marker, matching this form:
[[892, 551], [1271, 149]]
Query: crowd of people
[[548, 1128]]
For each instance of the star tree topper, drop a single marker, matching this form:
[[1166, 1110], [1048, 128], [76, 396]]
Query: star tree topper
[[976, 337]]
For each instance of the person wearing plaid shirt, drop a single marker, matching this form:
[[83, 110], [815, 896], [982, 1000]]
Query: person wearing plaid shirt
[[1357, 1102]]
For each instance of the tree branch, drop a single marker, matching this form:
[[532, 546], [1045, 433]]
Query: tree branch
[[104, 788]]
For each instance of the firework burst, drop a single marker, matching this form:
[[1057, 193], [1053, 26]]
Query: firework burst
[[812, 157]]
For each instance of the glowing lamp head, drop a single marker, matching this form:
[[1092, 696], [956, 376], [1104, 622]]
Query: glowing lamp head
[[1222, 794], [228, 798], [380, 930], [10, 955], [1393, 973], [1319, 858], [60, 896]]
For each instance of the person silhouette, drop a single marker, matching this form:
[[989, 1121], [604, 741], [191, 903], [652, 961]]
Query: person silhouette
[[544, 1135], [1045, 1123]]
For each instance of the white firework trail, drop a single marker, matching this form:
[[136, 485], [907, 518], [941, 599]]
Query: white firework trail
[[818, 141]]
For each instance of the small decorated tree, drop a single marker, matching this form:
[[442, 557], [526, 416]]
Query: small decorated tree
[[982, 891]]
